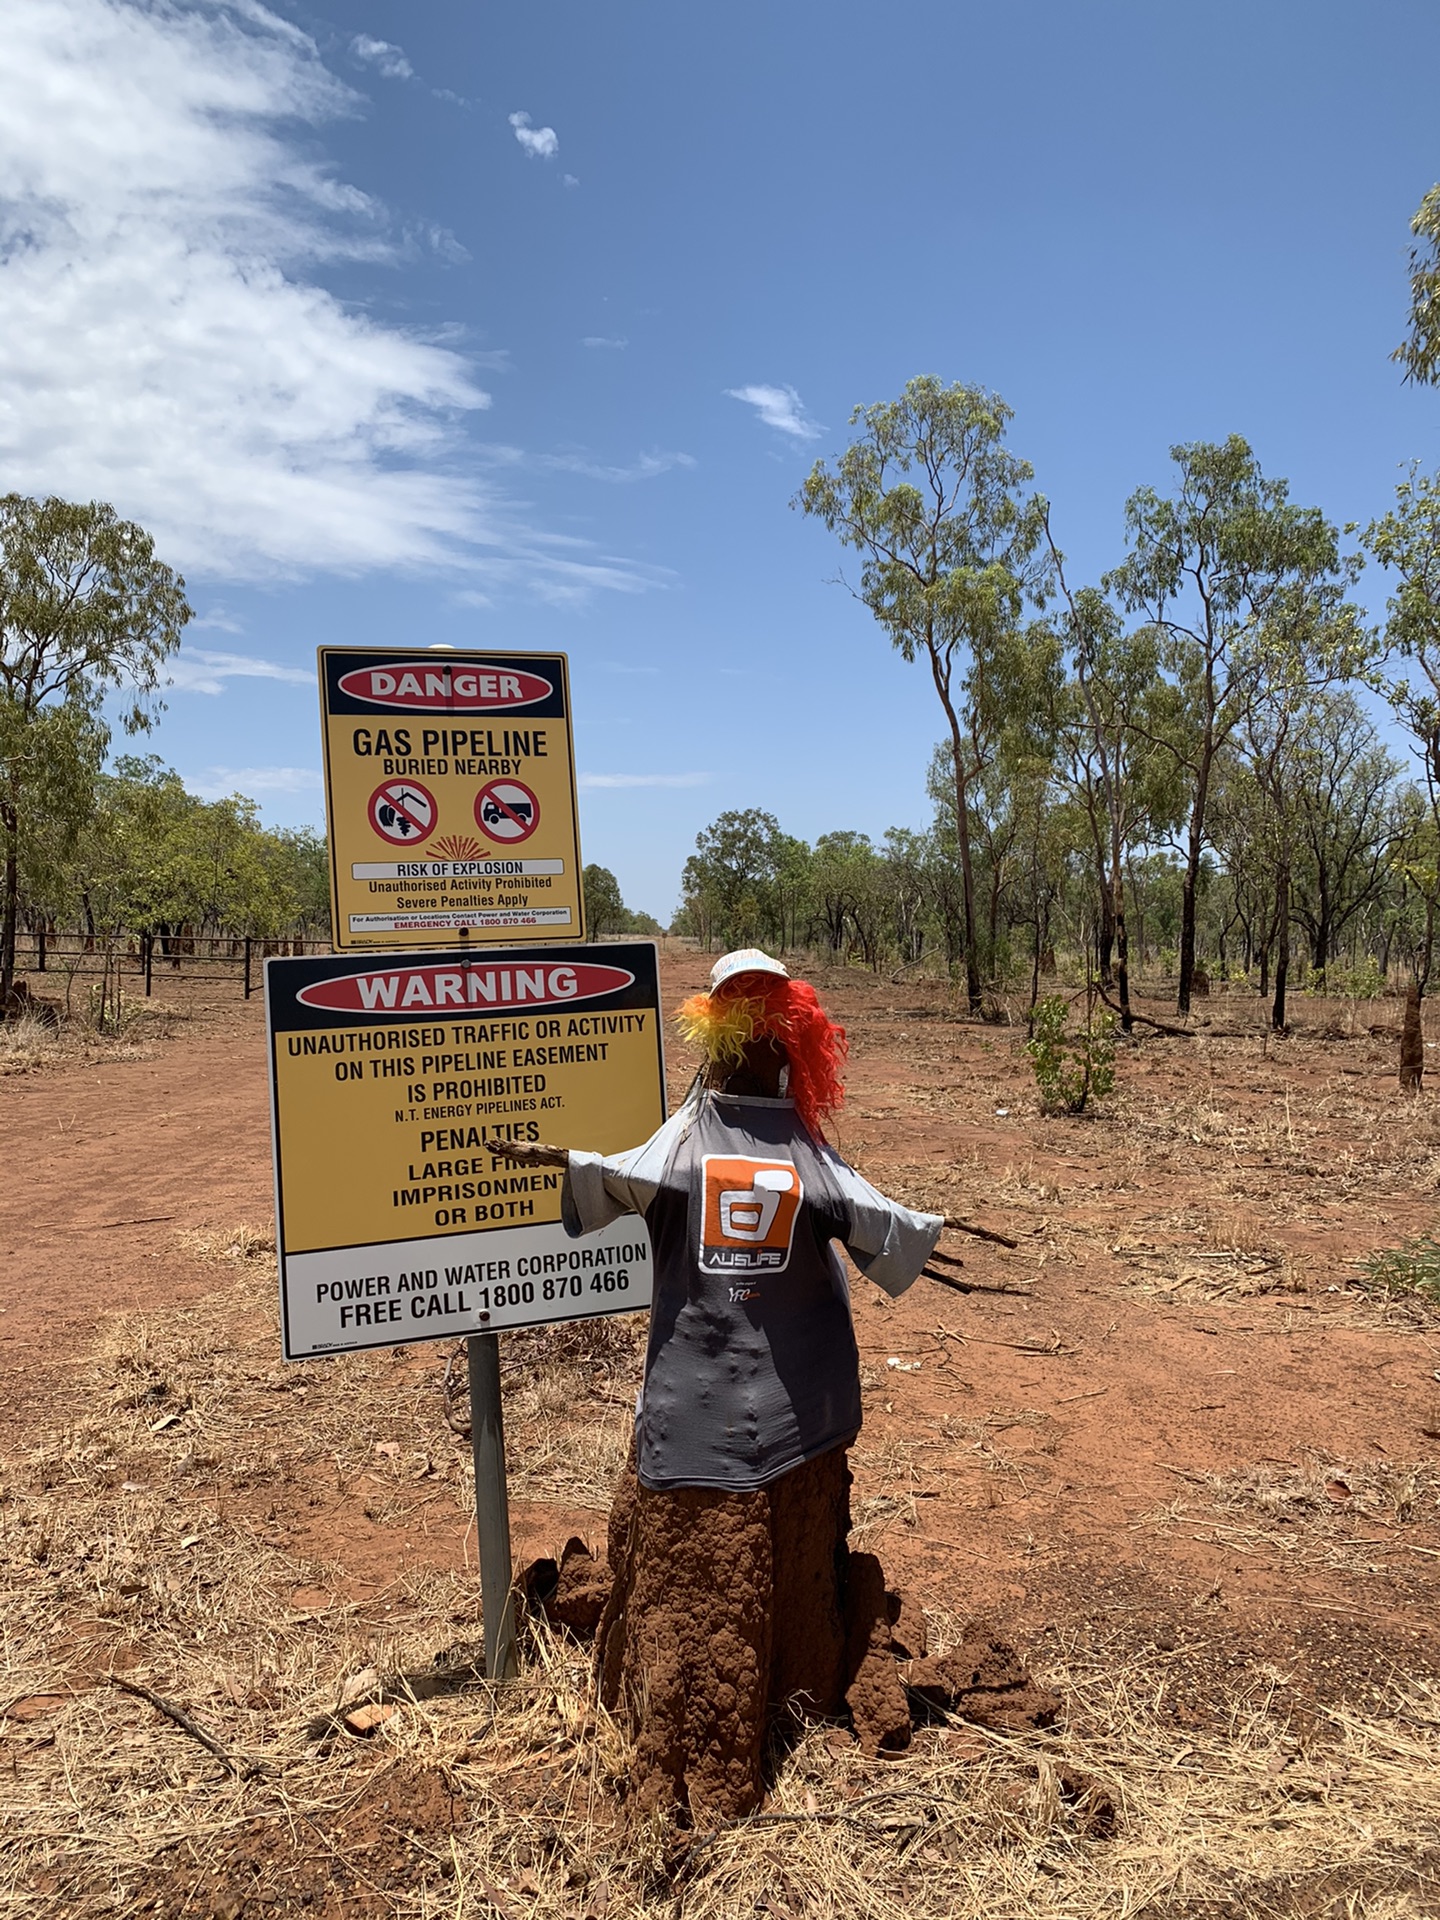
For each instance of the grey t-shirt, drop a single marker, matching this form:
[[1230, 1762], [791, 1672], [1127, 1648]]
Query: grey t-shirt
[[752, 1366]]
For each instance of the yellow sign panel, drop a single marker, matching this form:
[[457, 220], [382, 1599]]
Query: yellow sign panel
[[450, 794], [392, 1076]]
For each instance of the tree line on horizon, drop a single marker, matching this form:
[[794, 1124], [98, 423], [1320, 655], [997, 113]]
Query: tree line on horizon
[[1182, 748], [1186, 745]]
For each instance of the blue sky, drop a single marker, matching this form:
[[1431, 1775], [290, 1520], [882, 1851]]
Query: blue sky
[[518, 327]]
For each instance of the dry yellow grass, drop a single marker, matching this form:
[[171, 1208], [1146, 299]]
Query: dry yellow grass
[[33, 1043], [133, 1543]]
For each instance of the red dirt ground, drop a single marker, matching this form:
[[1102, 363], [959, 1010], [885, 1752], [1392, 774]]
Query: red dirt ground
[[1190, 1311]]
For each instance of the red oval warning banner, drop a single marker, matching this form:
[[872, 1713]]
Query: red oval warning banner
[[477, 986], [426, 688]]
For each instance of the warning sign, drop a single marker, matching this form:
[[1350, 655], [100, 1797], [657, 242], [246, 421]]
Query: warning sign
[[507, 811], [459, 760], [392, 1077], [402, 812]]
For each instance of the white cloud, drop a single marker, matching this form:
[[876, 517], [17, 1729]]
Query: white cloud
[[164, 343], [160, 344], [570, 179], [618, 343], [388, 61], [644, 779], [780, 408], [196, 670], [217, 783], [541, 143], [646, 467]]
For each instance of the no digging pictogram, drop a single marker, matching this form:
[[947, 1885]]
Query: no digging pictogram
[[507, 811], [403, 812]]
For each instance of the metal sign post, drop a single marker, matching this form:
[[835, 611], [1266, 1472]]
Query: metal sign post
[[492, 1505]]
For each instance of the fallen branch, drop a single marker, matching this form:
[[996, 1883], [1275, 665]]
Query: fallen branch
[[1175, 1033], [980, 1233], [1057, 1352], [970, 1286], [186, 1725]]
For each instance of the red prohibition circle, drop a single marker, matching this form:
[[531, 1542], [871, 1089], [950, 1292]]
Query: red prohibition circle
[[506, 811], [403, 812]]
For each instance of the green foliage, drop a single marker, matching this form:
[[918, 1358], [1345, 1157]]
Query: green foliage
[[1419, 352], [86, 610], [1411, 1268], [1072, 1066], [950, 540]]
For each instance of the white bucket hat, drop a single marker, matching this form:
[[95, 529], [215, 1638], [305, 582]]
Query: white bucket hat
[[744, 960]]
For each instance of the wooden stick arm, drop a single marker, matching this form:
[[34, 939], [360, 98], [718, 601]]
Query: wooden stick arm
[[536, 1153], [530, 1153]]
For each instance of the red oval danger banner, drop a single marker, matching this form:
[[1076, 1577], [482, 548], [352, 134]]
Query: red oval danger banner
[[465, 989], [442, 689]]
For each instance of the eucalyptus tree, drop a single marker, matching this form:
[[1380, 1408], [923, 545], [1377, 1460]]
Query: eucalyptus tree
[[1406, 541], [908, 856], [604, 902], [1241, 586], [937, 507], [86, 611], [728, 882], [1274, 730], [1419, 352], [1114, 722], [1345, 802]]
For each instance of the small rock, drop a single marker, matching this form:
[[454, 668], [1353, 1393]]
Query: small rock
[[365, 1720]]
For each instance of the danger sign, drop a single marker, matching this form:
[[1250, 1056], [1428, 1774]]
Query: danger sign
[[507, 811], [392, 1078], [450, 796], [403, 812]]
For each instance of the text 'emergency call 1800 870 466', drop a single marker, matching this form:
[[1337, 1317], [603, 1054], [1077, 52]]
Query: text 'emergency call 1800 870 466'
[[393, 1077]]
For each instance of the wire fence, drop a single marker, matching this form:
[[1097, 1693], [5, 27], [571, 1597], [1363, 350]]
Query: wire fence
[[148, 956]]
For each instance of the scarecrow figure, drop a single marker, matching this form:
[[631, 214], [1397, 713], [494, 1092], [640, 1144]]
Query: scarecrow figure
[[734, 1599]]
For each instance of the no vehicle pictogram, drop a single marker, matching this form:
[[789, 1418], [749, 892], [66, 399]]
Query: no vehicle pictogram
[[403, 812], [507, 811]]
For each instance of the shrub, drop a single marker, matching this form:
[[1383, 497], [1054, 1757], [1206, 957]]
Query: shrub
[[1071, 1069], [1413, 1268]]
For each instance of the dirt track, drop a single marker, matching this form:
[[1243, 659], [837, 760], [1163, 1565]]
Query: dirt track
[[1046, 1461]]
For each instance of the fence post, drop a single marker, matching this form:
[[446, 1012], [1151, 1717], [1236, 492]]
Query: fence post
[[40, 941], [149, 943], [247, 966]]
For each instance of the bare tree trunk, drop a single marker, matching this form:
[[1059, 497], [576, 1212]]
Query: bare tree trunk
[[1282, 946], [1321, 945], [1122, 936], [1105, 937], [7, 927], [1034, 979], [1189, 886], [10, 825], [967, 877], [1412, 1043]]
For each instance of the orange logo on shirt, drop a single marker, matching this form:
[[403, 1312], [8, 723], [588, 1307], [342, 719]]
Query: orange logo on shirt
[[749, 1214]]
